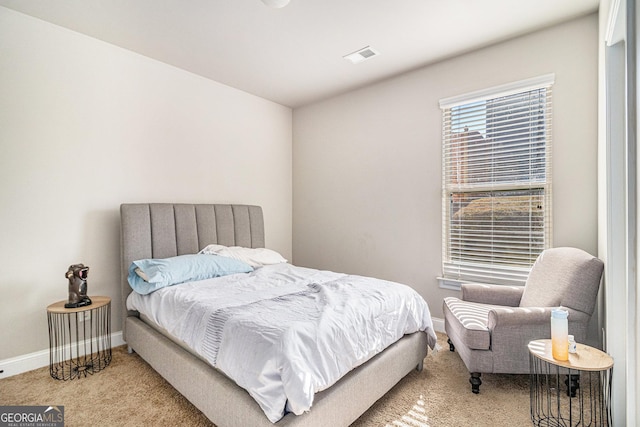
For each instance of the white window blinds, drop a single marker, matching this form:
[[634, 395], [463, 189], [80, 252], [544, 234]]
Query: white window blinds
[[496, 179]]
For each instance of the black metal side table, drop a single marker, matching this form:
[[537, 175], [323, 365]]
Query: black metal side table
[[79, 338], [576, 392]]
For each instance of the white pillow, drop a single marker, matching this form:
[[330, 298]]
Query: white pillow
[[255, 257]]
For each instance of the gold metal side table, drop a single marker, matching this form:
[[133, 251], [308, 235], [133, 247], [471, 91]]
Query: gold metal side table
[[79, 338], [576, 392]]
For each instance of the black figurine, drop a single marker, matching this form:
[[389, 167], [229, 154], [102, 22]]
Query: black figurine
[[77, 275]]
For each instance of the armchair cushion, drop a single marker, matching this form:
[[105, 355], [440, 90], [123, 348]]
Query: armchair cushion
[[470, 321]]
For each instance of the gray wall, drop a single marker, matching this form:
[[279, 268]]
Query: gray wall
[[86, 126], [367, 164]]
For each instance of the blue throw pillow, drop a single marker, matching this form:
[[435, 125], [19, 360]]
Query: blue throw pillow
[[162, 272]]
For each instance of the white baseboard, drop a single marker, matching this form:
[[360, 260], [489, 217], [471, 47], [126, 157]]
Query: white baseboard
[[39, 359], [438, 324]]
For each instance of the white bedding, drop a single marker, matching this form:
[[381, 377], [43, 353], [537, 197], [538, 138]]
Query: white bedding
[[283, 332]]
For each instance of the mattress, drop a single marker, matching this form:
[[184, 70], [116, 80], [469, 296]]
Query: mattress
[[284, 332]]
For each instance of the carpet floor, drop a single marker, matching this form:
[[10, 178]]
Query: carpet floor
[[129, 393]]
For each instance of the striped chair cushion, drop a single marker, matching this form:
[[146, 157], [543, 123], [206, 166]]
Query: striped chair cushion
[[469, 319]]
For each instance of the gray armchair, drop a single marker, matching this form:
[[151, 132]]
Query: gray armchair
[[491, 325]]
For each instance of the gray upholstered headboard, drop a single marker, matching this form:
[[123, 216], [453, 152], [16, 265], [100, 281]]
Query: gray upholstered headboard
[[161, 230]]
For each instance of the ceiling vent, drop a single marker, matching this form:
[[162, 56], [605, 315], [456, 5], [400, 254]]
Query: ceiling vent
[[361, 55]]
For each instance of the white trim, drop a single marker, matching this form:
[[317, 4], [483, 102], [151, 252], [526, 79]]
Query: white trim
[[619, 176], [452, 284], [28, 362], [498, 91], [616, 26], [633, 123], [438, 324]]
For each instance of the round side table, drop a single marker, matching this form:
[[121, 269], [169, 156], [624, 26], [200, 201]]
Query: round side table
[[79, 338], [576, 392]]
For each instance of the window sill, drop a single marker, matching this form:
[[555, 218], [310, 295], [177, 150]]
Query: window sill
[[452, 284]]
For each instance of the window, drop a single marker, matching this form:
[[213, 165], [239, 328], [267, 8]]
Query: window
[[496, 179]]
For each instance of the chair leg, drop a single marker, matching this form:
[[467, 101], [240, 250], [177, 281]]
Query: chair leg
[[573, 384], [451, 346], [475, 382]]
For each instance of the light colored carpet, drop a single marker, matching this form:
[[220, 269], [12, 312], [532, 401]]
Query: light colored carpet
[[129, 393]]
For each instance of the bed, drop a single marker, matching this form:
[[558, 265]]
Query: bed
[[164, 230]]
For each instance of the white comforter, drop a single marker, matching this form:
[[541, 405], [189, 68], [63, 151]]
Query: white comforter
[[284, 332]]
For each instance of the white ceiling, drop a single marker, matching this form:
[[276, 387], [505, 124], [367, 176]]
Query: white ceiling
[[293, 55]]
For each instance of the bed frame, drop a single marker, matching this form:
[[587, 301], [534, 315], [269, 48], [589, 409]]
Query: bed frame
[[163, 230]]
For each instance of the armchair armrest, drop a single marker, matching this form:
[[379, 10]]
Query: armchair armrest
[[530, 316], [519, 316], [512, 328], [492, 294]]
